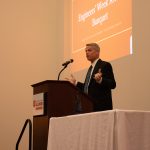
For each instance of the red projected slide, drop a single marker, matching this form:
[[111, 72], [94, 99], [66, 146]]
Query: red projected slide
[[106, 22]]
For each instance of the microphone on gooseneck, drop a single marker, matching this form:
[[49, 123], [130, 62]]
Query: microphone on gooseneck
[[67, 62]]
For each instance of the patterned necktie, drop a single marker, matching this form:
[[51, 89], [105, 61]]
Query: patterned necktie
[[87, 80]]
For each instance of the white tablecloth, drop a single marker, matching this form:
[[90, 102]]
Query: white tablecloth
[[108, 130]]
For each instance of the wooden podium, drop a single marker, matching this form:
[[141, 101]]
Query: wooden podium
[[61, 98]]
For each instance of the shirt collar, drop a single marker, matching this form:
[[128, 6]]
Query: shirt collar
[[94, 63]]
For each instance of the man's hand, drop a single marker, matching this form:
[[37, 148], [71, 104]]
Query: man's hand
[[98, 76], [72, 79]]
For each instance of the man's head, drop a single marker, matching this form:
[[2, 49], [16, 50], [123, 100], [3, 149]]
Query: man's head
[[92, 51]]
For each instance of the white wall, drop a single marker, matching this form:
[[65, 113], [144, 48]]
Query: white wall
[[132, 72], [31, 50]]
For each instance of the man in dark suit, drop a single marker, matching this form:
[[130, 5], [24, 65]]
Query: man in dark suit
[[99, 80]]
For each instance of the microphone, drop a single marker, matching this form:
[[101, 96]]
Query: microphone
[[67, 62]]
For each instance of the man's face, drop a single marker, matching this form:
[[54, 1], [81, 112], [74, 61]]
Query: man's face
[[91, 54]]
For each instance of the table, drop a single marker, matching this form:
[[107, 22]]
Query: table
[[107, 130]]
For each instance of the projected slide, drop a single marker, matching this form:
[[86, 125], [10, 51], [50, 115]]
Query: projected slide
[[107, 22]]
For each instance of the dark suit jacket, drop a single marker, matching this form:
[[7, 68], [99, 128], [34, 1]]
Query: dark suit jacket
[[100, 94]]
